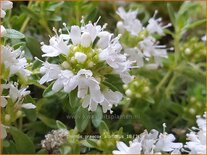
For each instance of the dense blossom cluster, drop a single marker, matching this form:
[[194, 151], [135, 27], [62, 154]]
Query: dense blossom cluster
[[55, 139], [143, 44], [150, 143], [13, 62], [80, 59], [139, 87], [197, 137], [83, 64], [5, 5]]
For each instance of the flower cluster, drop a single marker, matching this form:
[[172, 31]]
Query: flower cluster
[[85, 55], [15, 96], [150, 143], [137, 88], [5, 5], [13, 62], [139, 41], [194, 50], [55, 139], [197, 137], [12, 101]]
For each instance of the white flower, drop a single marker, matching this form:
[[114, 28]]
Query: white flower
[[57, 46], [134, 54], [28, 106], [80, 57], [3, 133], [165, 143], [3, 31], [197, 137], [13, 60], [105, 38], [203, 38], [150, 143], [86, 39], [155, 25], [130, 23], [110, 98], [113, 57], [133, 148], [63, 80], [51, 72], [84, 35], [85, 82], [16, 95], [150, 49], [3, 102], [89, 54], [75, 34], [5, 5]]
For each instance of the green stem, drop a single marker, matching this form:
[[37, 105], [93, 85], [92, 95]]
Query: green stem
[[38, 85], [24, 25], [170, 84], [163, 81]]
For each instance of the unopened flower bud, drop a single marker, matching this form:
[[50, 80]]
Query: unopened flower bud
[[187, 51], [128, 92], [146, 89], [7, 118], [80, 57], [125, 86], [65, 64], [90, 64], [19, 113]]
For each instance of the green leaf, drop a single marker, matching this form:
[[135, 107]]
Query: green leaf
[[60, 125], [13, 34], [47, 121], [97, 116], [103, 127], [55, 18], [195, 24], [92, 143], [171, 13], [23, 143], [29, 12], [48, 91], [150, 99], [34, 47], [82, 118], [53, 6]]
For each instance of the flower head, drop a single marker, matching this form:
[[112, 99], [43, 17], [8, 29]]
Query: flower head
[[16, 96], [129, 23], [155, 25], [149, 143], [14, 62], [5, 5], [86, 54], [197, 137], [139, 42]]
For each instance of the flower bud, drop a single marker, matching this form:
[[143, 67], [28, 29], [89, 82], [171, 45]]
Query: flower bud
[[128, 92], [19, 113], [80, 57], [7, 118], [65, 64]]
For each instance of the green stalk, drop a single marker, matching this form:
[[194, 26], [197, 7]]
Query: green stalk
[[24, 25]]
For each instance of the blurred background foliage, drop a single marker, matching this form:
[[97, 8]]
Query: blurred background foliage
[[175, 94]]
